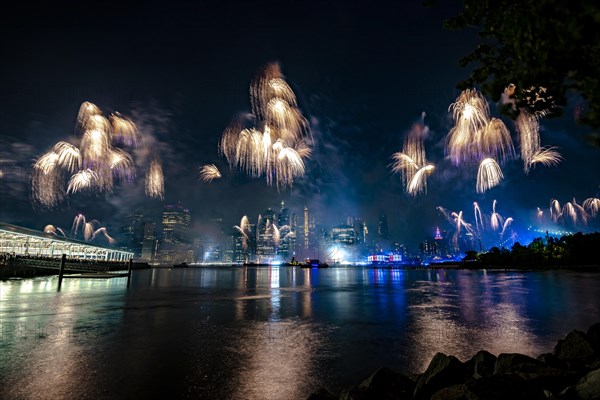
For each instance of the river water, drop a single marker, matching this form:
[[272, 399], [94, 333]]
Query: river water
[[270, 333]]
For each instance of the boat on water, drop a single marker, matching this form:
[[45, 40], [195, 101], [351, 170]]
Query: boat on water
[[314, 263]]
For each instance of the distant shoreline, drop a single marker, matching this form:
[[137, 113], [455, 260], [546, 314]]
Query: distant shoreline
[[23, 271]]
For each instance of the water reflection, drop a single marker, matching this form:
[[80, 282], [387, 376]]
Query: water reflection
[[271, 332]]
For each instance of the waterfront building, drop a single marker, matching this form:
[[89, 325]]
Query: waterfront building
[[17, 241]]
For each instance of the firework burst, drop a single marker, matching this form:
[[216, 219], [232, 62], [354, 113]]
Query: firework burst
[[209, 172], [529, 138], [411, 163], [94, 165], [555, 210], [496, 219], [272, 142], [83, 179], [488, 175], [155, 186], [592, 206]]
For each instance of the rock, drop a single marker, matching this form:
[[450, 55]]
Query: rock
[[501, 387], [385, 384], [588, 387], [593, 335], [365, 393], [443, 371], [480, 365], [322, 394], [550, 360], [544, 377], [507, 361], [575, 349], [389, 381], [454, 392]]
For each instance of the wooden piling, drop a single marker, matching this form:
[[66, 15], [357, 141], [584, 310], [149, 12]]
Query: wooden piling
[[63, 261]]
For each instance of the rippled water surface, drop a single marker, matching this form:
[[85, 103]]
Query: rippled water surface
[[270, 333]]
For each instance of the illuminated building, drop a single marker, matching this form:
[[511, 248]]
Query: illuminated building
[[305, 227], [175, 242], [343, 234], [149, 242], [19, 241], [132, 233]]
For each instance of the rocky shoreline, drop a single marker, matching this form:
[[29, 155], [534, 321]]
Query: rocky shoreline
[[570, 372]]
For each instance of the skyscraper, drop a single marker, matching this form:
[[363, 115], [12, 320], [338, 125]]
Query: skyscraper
[[149, 242], [175, 241], [382, 230], [306, 227], [132, 233]]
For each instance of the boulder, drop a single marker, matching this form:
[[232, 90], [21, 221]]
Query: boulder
[[588, 387], [506, 362], [575, 349], [385, 384], [365, 393], [502, 387], [593, 335], [443, 371], [550, 360], [480, 365], [544, 377], [322, 394], [389, 381], [454, 392]]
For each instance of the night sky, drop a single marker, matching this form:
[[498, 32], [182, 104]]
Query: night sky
[[363, 73]]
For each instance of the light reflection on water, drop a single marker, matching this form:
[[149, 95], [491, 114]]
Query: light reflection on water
[[270, 332]]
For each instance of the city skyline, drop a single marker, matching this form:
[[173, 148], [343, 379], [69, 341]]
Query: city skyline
[[361, 81]]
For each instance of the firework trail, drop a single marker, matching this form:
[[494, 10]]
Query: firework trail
[[478, 217], [124, 130], [155, 186], [243, 228], [51, 229], [104, 232], [78, 221], [209, 172], [546, 156], [507, 222], [496, 219], [475, 136], [456, 219], [82, 180], [574, 212], [592, 206], [47, 182], [540, 214], [496, 141], [471, 114], [272, 142], [68, 156], [555, 210], [122, 165], [529, 138], [418, 183], [488, 175], [410, 162]]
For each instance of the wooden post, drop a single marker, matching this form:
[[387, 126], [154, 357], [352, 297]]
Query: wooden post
[[129, 271], [63, 261]]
